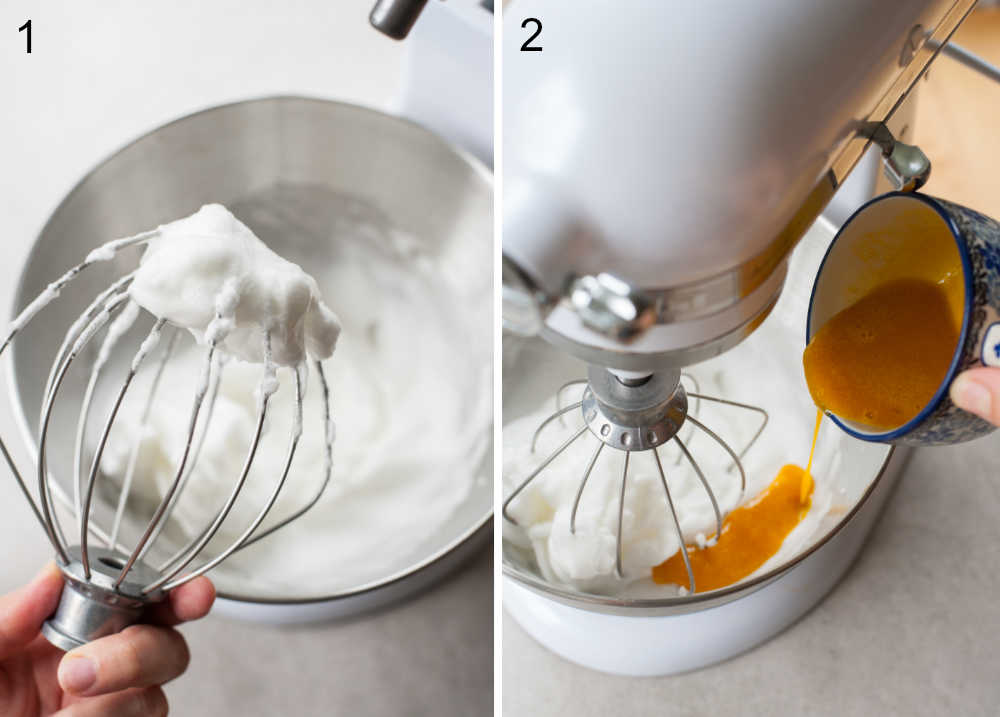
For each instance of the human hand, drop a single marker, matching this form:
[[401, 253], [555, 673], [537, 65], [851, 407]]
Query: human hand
[[978, 391], [116, 675]]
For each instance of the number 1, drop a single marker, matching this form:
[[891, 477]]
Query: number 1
[[26, 27]]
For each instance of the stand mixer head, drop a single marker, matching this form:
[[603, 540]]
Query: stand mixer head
[[648, 221]]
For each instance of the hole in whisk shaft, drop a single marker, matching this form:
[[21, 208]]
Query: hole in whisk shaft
[[113, 563]]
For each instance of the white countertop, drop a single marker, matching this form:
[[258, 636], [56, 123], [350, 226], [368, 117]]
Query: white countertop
[[102, 74]]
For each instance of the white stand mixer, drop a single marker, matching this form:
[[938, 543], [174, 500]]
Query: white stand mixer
[[660, 164]]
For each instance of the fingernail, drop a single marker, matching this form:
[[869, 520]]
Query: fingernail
[[969, 394], [48, 571], [77, 674]]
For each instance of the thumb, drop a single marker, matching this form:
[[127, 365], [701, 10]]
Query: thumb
[[23, 611], [978, 391]]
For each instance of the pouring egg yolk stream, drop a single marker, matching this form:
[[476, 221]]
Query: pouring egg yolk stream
[[806, 487]]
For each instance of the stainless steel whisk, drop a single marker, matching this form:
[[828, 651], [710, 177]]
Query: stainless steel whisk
[[634, 415], [109, 586]]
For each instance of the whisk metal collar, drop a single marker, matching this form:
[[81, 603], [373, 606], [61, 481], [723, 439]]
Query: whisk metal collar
[[90, 608], [634, 417]]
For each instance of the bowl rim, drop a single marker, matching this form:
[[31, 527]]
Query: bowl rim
[[20, 418], [956, 358]]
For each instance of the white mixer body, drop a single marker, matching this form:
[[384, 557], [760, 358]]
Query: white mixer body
[[672, 144]]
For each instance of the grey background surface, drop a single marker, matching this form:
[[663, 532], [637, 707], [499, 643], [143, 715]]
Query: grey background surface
[[430, 656]]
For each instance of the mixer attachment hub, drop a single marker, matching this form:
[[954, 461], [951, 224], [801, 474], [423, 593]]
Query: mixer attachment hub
[[90, 608], [634, 414]]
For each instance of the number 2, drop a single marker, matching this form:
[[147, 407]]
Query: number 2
[[527, 46], [27, 27]]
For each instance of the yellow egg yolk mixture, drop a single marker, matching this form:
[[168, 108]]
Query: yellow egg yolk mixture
[[751, 534], [881, 360]]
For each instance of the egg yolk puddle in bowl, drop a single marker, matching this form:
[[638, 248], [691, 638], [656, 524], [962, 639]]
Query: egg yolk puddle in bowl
[[751, 534]]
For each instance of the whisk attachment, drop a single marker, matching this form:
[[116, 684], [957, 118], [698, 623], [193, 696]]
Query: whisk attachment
[[638, 415], [111, 585]]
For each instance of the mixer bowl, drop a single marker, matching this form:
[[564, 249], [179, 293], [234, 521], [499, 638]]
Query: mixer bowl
[[286, 166], [644, 633]]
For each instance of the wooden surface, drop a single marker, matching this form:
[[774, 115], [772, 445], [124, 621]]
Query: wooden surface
[[958, 120]]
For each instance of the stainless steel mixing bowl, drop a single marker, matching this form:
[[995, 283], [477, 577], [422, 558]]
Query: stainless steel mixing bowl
[[287, 166]]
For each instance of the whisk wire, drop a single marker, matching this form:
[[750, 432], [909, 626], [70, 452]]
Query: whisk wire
[[695, 408], [583, 484], [115, 331], [86, 325], [547, 421], [619, 543], [204, 422], [133, 459], [704, 482], [53, 290], [677, 523], [190, 551], [147, 345], [21, 484], [41, 508], [199, 399], [756, 409], [290, 455], [524, 484], [725, 446], [327, 466], [559, 393], [64, 362], [81, 324]]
